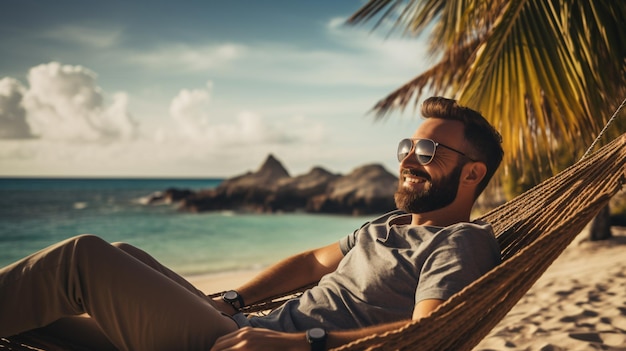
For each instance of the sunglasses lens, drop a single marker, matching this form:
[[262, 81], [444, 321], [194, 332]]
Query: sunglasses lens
[[404, 148], [425, 150]]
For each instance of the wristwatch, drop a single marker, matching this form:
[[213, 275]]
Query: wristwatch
[[317, 338], [234, 299]]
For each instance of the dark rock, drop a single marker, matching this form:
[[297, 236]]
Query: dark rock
[[267, 177], [174, 195], [170, 195], [247, 192], [294, 193], [366, 190]]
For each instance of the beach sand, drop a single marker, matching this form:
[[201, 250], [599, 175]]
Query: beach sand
[[214, 283], [578, 304]]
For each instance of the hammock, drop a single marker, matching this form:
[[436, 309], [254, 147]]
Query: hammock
[[532, 230]]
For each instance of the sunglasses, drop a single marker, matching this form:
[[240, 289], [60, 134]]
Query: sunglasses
[[424, 150]]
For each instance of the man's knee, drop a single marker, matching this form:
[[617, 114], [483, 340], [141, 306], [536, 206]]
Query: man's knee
[[87, 242], [133, 251]]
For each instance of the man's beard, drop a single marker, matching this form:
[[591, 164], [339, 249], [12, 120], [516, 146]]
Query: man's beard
[[435, 195]]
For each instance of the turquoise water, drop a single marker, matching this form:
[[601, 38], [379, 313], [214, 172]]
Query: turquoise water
[[35, 213]]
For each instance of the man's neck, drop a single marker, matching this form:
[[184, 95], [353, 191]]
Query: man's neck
[[439, 218]]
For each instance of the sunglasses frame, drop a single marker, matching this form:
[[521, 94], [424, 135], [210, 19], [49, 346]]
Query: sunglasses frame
[[414, 142]]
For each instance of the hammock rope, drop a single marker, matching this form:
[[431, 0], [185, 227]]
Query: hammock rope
[[606, 126]]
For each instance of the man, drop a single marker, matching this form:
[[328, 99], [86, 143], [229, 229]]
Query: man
[[398, 267]]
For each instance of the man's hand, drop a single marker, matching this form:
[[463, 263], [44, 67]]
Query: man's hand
[[259, 339]]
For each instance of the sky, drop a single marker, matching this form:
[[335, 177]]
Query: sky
[[196, 89]]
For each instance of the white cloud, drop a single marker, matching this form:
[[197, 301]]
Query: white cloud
[[359, 57], [188, 57], [335, 23], [70, 115], [88, 36], [371, 62], [190, 110], [363, 58], [64, 102], [250, 128], [13, 123], [383, 50]]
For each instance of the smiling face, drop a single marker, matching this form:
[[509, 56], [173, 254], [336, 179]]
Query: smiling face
[[425, 188], [419, 193]]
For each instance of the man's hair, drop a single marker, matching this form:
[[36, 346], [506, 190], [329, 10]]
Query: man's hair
[[483, 138]]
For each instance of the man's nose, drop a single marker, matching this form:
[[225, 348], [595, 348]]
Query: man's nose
[[410, 160]]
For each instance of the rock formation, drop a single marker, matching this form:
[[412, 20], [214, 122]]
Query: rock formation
[[366, 190]]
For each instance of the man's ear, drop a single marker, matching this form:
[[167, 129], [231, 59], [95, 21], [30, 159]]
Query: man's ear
[[473, 173]]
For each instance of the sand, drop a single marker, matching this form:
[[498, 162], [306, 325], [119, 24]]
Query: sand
[[578, 304], [213, 283]]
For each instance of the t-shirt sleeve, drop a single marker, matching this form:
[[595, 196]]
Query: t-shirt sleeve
[[347, 243], [455, 261]]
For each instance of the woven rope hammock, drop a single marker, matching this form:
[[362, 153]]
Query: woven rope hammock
[[532, 229]]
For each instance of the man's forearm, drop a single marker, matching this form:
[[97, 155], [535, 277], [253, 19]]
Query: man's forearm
[[292, 273], [277, 279], [422, 309], [248, 338]]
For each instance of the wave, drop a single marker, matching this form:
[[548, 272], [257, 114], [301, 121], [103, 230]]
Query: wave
[[80, 205]]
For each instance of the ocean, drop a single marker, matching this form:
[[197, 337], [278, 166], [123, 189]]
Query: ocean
[[37, 212]]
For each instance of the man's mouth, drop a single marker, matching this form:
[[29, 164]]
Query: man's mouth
[[414, 177], [411, 179]]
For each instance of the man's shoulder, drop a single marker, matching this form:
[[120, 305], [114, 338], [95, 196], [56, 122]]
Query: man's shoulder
[[469, 234], [476, 226], [461, 233]]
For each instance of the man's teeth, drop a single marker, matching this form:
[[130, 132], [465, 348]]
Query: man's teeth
[[414, 180]]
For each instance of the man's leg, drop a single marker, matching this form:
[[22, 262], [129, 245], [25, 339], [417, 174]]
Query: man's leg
[[134, 305], [84, 331], [156, 265], [80, 331]]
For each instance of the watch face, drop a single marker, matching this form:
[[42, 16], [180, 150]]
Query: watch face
[[230, 295], [317, 333]]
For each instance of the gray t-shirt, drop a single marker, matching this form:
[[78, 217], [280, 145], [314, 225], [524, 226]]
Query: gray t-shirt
[[388, 266]]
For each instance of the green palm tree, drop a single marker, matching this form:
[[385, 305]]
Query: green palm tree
[[547, 73]]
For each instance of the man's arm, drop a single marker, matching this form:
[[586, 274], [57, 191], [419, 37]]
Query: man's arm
[[292, 273], [263, 339], [421, 310]]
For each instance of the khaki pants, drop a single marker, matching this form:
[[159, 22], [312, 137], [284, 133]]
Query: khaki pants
[[133, 301]]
